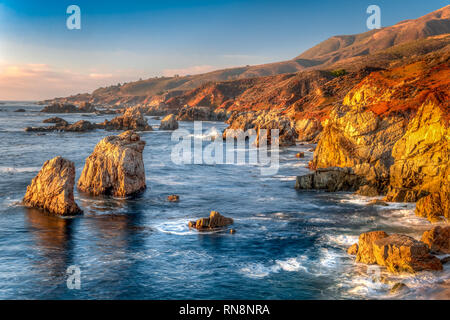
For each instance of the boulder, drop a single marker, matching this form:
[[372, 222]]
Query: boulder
[[116, 167], [169, 123], [365, 246], [399, 287], [52, 189], [438, 239], [215, 220], [80, 126], [400, 253], [173, 198], [300, 155]]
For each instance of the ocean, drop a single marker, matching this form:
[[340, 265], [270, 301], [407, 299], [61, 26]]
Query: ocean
[[288, 244]]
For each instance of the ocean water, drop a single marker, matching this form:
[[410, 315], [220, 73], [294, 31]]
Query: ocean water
[[288, 244]]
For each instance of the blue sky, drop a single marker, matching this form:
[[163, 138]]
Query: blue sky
[[128, 40]]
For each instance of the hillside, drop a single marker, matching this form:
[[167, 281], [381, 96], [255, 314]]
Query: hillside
[[334, 52]]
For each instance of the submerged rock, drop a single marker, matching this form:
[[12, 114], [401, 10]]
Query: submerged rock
[[398, 288], [169, 123], [52, 188], [173, 198], [215, 220], [20, 110], [116, 167], [438, 239]]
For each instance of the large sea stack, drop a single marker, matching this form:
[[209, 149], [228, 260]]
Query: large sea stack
[[52, 189], [116, 167]]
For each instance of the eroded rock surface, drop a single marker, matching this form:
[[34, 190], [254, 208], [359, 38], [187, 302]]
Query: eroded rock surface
[[438, 239], [52, 189], [116, 167], [132, 119]]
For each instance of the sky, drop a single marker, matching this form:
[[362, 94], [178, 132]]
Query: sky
[[122, 41]]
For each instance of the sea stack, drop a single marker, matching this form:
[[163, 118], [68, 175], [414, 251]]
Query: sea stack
[[116, 167], [52, 189]]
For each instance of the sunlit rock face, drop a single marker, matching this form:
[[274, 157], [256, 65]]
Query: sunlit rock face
[[169, 123], [52, 189], [116, 167], [421, 162]]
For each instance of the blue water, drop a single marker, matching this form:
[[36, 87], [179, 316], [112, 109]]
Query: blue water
[[288, 244]]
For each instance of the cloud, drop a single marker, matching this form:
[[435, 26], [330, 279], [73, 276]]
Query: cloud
[[41, 81], [189, 71]]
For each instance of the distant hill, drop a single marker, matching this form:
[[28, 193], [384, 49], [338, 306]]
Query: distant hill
[[338, 50]]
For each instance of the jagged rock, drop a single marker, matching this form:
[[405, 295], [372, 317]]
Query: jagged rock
[[132, 119], [169, 123], [60, 108], [56, 120], [330, 179], [173, 198], [438, 239], [308, 129], [215, 220], [421, 169], [365, 246], [116, 167], [353, 249], [400, 253], [52, 188], [80, 126], [198, 113]]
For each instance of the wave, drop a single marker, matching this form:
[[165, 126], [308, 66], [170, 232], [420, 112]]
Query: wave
[[12, 170], [260, 270]]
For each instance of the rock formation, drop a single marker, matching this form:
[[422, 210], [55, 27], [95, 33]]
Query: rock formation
[[398, 253], [56, 120], [64, 126], [86, 107], [116, 167], [438, 239], [52, 188], [215, 220], [330, 179], [173, 198], [169, 123], [132, 119], [241, 122]]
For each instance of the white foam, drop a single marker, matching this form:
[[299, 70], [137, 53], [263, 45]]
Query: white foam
[[260, 270], [12, 170], [175, 227]]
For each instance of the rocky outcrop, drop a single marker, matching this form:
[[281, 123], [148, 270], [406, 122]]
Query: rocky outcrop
[[330, 179], [215, 220], [52, 189], [197, 113], [169, 123], [438, 239], [398, 253], [56, 120], [86, 107], [60, 108], [63, 126], [116, 167], [308, 129], [262, 123], [132, 119], [353, 249], [173, 198]]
